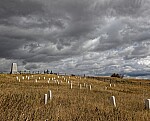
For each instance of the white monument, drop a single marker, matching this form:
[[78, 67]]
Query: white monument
[[14, 68]]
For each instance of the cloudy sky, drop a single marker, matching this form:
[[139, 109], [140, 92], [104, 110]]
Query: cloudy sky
[[92, 37]]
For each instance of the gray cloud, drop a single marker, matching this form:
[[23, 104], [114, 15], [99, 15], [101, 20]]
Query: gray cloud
[[9, 8], [74, 36], [32, 66]]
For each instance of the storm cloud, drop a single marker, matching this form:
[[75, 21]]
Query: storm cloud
[[97, 37]]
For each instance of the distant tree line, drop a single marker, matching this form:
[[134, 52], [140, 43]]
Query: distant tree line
[[117, 75], [48, 72]]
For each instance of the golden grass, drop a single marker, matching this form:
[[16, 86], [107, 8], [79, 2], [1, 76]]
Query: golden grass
[[24, 100]]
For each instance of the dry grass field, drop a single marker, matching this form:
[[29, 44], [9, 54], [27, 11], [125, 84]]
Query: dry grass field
[[24, 100]]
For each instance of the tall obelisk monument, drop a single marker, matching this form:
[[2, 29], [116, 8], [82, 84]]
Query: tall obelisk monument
[[14, 68]]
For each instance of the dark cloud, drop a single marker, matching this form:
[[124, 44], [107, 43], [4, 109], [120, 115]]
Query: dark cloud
[[76, 36], [32, 66], [138, 51], [9, 8], [127, 7]]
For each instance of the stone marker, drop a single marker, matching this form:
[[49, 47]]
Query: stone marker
[[84, 84], [17, 78], [50, 94], [45, 99], [113, 101], [90, 87], [147, 104], [80, 86], [71, 85], [14, 68]]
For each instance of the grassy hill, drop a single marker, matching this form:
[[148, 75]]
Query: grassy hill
[[23, 99]]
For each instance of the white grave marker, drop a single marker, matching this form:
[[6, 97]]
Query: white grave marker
[[45, 99], [90, 87], [50, 94], [84, 84], [71, 85], [17, 78], [113, 101], [147, 104], [80, 86]]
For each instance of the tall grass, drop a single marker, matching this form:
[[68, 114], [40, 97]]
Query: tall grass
[[24, 101]]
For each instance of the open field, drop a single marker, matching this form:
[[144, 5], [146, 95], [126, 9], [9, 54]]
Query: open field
[[23, 99]]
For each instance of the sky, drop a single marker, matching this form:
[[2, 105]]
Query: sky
[[92, 37]]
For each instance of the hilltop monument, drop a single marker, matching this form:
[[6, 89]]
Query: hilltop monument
[[14, 68]]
